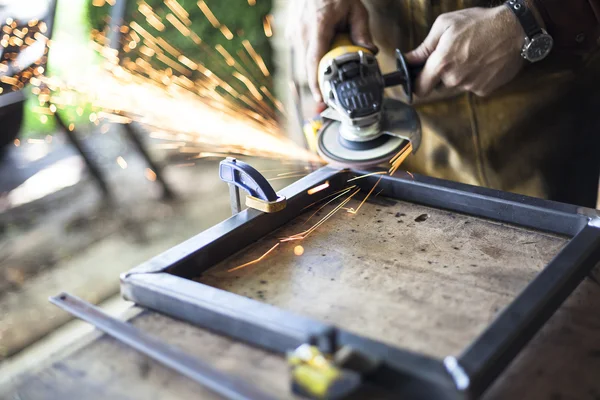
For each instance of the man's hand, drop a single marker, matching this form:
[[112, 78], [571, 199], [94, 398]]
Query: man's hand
[[316, 22], [476, 50]]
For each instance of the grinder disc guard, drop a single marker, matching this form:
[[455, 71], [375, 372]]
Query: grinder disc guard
[[400, 124], [337, 151]]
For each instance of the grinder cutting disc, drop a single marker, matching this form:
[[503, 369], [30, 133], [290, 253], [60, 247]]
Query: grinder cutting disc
[[344, 153]]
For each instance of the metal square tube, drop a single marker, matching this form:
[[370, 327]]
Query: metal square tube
[[160, 283]]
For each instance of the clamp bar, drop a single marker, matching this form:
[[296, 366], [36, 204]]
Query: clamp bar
[[195, 369], [405, 75], [261, 195], [247, 178]]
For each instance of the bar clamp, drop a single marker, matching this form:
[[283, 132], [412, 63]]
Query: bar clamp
[[260, 194]]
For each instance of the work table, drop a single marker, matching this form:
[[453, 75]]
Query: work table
[[422, 279]]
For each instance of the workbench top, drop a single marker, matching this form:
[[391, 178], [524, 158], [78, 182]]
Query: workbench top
[[411, 276]]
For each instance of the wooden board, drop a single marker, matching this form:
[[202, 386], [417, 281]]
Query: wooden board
[[412, 276], [107, 369]]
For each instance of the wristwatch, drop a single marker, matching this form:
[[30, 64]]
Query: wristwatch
[[538, 43]]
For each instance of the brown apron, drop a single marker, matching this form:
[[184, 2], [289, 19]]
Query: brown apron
[[539, 135]]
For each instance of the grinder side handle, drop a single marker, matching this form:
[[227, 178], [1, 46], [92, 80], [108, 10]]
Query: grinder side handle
[[405, 75]]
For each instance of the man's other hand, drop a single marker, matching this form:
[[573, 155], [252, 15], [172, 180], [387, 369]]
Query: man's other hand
[[477, 50], [315, 23]]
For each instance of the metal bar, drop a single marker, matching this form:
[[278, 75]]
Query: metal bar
[[524, 211], [11, 98], [273, 329], [409, 375], [117, 18], [141, 148], [217, 243], [493, 350], [472, 373], [234, 199], [165, 354], [94, 169], [236, 316]]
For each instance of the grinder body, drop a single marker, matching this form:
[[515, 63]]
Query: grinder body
[[362, 127]]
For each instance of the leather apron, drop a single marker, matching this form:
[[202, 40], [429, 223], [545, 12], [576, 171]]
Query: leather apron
[[539, 135]]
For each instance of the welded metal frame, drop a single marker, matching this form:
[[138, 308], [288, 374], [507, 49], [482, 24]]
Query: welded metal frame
[[162, 283]]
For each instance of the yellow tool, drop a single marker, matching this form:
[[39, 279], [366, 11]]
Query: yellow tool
[[317, 376], [362, 128]]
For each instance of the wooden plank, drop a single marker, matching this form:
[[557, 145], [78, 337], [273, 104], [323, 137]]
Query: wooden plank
[[563, 360], [409, 275], [107, 369]]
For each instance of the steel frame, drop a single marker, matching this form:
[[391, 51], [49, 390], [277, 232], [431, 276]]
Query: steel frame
[[161, 283]]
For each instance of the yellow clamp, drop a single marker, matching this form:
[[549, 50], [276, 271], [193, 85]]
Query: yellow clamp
[[316, 375], [266, 206]]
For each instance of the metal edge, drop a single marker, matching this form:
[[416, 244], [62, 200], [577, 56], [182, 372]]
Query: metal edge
[[494, 349], [277, 330], [221, 311], [248, 226], [515, 209], [12, 98], [528, 212], [202, 372]]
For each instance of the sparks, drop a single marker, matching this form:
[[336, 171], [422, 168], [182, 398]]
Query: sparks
[[318, 188], [256, 57], [197, 110], [267, 25], [353, 211], [367, 175], [290, 173], [121, 162], [298, 250], [259, 259], [150, 175], [339, 194], [305, 234], [208, 14], [399, 158], [327, 197], [288, 177], [230, 61]]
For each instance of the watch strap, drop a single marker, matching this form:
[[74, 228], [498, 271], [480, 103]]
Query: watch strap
[[525, 17]]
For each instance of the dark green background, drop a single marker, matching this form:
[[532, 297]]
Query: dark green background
[[243, 20]]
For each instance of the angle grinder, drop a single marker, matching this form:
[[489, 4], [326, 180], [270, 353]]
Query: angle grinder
[[361, 127]]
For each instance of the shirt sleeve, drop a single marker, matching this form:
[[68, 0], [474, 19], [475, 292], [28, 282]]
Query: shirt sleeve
[[573, 24]]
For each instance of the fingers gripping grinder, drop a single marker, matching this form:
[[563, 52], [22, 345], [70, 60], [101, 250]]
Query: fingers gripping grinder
[[362, 128]]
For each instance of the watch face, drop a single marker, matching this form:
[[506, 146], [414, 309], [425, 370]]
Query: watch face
[[539, 47]]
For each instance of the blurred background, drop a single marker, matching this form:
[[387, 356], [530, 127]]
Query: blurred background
[[114, 115]]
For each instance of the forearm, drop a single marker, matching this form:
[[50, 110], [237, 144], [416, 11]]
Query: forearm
[[531, 4], [573, 24]]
